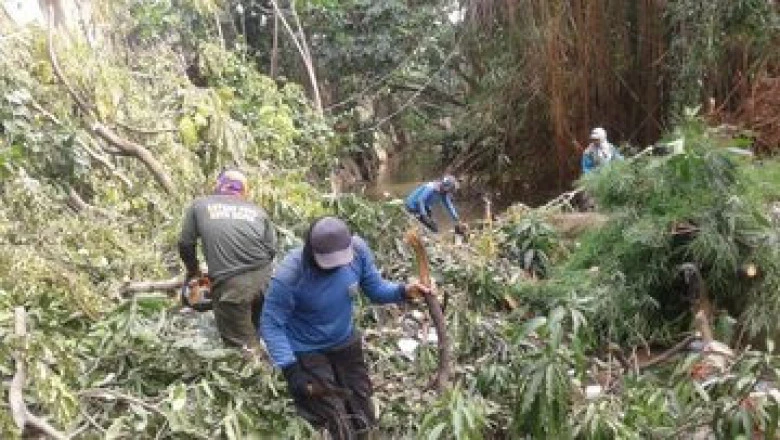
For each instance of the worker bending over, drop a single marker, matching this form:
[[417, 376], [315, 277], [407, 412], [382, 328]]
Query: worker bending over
[[420, 202]]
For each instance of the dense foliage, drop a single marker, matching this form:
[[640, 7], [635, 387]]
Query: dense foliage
[[535, 316]]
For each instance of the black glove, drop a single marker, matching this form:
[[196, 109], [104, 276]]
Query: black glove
[[297, 380], [460, 229]]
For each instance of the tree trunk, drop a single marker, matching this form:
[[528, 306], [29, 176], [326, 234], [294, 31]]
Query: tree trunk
[[275, 48], [303, 50]]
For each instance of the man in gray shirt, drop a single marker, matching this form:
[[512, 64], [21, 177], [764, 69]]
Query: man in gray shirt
[[239, 243]]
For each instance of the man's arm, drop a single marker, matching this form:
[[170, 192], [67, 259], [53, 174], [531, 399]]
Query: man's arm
[[187, 243], [450, 207], [422, 206], [374, 286], [279, 305]]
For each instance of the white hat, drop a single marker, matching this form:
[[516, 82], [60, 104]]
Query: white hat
[[599, 134]]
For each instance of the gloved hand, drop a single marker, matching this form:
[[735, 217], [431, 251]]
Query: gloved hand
[[297, 380], [460, 229]]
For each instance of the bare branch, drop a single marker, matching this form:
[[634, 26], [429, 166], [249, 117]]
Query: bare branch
[[137, 151], [106, 162], [21, 415], [303, 50], [132, 287], [663, 357]]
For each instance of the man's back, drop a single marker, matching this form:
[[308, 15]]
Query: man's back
[[237, 235], [423, 194]]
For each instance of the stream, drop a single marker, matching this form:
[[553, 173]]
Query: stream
[[404, 172]]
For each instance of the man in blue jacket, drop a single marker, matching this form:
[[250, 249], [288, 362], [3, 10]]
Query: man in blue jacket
[[420, 202], [308, 328]]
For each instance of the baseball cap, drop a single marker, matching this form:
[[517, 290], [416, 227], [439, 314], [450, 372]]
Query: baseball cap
[[331, 243]]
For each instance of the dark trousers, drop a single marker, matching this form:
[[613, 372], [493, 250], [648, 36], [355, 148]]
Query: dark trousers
[[237, 305], [346, 417]]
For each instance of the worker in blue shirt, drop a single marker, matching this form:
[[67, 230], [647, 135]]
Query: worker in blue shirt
[[599, 152], [420, 202], [308, 328]]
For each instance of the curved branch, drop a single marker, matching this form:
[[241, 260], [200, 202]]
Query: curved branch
[[138, 151], [123, 145], [437, 315]]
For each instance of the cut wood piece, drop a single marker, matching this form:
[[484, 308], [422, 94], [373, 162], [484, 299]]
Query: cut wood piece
[[439, 381], [132, 287]]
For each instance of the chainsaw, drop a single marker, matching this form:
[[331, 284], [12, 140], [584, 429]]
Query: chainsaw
[[196, 294]]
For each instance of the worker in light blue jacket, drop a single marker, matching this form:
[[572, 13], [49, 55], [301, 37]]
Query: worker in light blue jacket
[[599, 152], [420, 202], [308, 328]]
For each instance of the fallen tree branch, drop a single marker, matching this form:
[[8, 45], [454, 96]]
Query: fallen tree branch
[[78, 204], [24, 419], [132, 287], [666, 355], [138, 151], [47, 114], [106, 162], [437, 315], [123, 145], [637, 367]]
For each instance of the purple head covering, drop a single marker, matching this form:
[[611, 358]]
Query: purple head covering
[[231, 182]]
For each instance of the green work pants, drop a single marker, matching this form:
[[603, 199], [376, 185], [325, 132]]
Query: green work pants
[[237, 305]]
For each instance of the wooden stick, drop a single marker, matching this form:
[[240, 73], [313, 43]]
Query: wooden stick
[[437, 315], [133, 287], [21, 415], [663, 357]]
